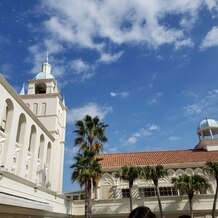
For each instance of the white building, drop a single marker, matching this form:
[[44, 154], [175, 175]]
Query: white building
[[110, 199], [32, 138]]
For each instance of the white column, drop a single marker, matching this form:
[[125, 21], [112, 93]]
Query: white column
[[97, 193], [211, 134], [33, 166], [53, 175], [24, 151], [60, 166]]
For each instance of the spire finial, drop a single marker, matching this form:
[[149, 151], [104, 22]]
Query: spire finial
[[46, 67], [47, 56]]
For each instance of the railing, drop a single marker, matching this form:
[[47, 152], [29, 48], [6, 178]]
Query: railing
[[172, 205], [15, 157]]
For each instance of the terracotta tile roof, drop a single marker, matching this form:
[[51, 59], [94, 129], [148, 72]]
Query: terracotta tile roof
[[157, 157]]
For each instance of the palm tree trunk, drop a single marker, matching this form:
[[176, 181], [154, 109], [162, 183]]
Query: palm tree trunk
[[159, 201], [215, 200], [86, 200], [130, 198], [89, 215], [190, 206]]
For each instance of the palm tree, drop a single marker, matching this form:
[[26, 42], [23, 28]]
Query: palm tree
[[90, 134], [154, 173], [129, 174], [212, 169], [190, 184], [86, 171]]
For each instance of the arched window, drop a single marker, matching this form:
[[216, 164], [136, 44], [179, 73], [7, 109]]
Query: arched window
[[41, 147], [31, 150], [17, 158], [32, 139], [40, 167], [4, 117], [35, 108], [40, 88], [43, 110], [48, 165], [7, 115], [6, 127], [21, 129]]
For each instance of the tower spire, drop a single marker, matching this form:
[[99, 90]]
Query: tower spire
[[46, 67], [46, 57]]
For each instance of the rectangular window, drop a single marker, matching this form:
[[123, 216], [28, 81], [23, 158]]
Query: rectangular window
[[146, 192], [75, 197], [167, 191], [203, 192], [125, 193], [150, 191], [82, 197]]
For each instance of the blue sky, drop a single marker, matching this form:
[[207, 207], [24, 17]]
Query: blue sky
[[147, 68]]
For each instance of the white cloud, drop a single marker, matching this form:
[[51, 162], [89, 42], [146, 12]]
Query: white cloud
[[79, 65], [91, 109], [59, 67], [110, 58], [122, 94], [154, 100], [184, 43], [211, 39], [36, 58], [52, 46], [69, 153], [193, 109], [153, 77], [153, 127], [113, 94], [82, 69], [174, 138], [5, 70], [212, 5], [214, 91], [103, 26], [149, 130], [89, 24], [133, 139], [203, 105], [113, 149], [4, 40]]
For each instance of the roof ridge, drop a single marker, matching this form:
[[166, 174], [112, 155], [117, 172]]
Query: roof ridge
[[137, 152]]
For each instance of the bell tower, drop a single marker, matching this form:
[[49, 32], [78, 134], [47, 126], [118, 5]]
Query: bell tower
[[208, 135], [44, 99]]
